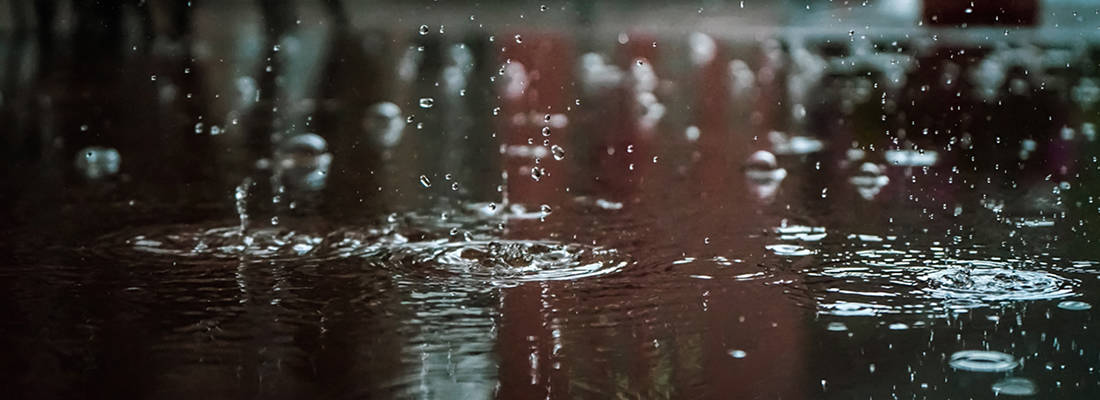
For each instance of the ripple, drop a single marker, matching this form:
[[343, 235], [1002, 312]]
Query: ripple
[[982, 361], [996, 284], [462, 244], [885, 276], [196, 244], [505, 260]]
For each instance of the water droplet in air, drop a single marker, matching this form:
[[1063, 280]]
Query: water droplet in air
[[543, 8], [426, 102], [537, 173], [546, 131], [738, 353], [559, 153], [519, 39], [425, 181], [424, 29]]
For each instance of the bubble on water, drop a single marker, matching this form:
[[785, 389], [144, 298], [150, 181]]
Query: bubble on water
[[426, 102], [1074, 305], [424, 181], [851, 309], [836, 326], [801, 232], [692, 133], [1015, 387], [762, 166], [424, 30], [869, 180], [703, 48], [789, 250], [912, 158], [738, 353], [609, 205], [97, 162], [302, 163], [383, 123], [982, 361], [898, 326], [784, 144], [558, 152]]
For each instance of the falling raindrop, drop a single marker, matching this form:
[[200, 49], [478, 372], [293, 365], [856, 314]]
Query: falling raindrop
[[424, 181], [738, 353], [537, 172], [424, 29], [426, 102], [519, 39]]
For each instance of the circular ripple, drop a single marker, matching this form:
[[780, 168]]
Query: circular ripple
[[505, 260], [995, 284], [194, 244], [887, 277], [982, 361]]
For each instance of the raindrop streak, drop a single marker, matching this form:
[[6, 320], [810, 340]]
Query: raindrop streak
[[425, 181]]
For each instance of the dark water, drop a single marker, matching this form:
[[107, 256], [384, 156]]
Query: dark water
[[549, 213]]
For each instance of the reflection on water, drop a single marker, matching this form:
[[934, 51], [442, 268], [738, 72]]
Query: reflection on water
[[304, 204]]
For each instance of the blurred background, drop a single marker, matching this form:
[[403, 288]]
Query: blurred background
[[547, 199]]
